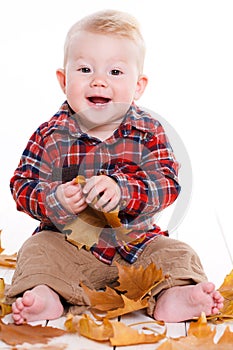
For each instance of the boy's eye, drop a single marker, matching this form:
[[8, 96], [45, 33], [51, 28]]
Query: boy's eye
[[115, 72], [84, 70]]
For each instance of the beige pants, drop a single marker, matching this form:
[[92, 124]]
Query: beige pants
[[47, 258]]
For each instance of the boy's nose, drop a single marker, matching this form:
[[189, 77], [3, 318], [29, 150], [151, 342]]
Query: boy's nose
[[99, 82]]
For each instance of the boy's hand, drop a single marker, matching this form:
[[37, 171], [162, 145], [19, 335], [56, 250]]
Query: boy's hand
[[70, 195], [107, 188]]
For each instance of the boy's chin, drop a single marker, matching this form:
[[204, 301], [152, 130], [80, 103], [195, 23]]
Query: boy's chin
[[106, 113]]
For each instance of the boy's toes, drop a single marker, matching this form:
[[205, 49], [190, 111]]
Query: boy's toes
[[216, 309], [218, 297], [19, 304], [17, 318], [15, 308], [208, 287]]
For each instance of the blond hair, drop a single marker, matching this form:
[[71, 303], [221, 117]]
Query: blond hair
[[109, 22]]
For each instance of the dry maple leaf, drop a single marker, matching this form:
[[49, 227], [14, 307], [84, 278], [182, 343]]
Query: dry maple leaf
[[13, 334], [130, 305], [137, 282], [90, 329], [116, 332], [4, 308], [200, 336], [1, 249], [8, 260], [104, 300], [87, 227], [125, 335], [227, 337], [226, 289], [201, 329]]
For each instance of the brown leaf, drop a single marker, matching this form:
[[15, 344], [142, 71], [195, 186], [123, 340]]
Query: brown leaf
[[12, 334], [4, 308], [86, 228], [137, 282], [1, 249], [104, 300], [8, 260], [118, 333], [226, 289], [129, 306], [227, 337], [124, 335], [201, 329], [71, 323], [201, 337], [90, 329]]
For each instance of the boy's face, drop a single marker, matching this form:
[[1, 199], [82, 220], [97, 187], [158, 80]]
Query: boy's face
[[101, 78]]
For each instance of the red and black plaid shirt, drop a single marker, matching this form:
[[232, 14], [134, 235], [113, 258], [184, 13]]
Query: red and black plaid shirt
[[138, 156]]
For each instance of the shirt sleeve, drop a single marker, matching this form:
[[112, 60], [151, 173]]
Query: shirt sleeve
[[152, 185], [32, 186]]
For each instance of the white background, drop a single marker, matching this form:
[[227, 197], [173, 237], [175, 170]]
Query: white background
[[190, 70]]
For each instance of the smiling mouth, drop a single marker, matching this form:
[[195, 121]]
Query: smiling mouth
[[98, 100]]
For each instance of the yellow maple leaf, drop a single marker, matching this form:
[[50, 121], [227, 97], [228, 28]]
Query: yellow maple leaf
[[136, 282], [200, 336], [5, 309], [125, 335], [131, 294], [201, 329], [116, 332], [130, 305], [226, 338], [226, 290], [104, 300], [90, 329]]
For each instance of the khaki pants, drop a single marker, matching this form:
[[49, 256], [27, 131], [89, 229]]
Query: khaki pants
[[48, 258]]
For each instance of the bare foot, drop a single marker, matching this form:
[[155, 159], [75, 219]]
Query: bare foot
[[179, 304], [40, 303]]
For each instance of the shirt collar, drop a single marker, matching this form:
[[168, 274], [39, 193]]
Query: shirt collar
[[135, 118]]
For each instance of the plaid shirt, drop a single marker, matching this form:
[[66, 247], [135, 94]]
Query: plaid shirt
[[137, 156]]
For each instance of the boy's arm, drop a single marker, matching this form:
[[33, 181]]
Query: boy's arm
[[32, 186], [152, 185]]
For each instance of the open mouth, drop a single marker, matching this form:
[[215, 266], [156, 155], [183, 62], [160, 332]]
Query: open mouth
[[98, 100]]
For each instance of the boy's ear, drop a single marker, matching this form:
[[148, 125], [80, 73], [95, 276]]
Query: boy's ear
[[141, 85], [61, 77]]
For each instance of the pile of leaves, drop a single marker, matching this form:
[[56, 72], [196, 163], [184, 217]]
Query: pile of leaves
[[132, 293], [200, 334]]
